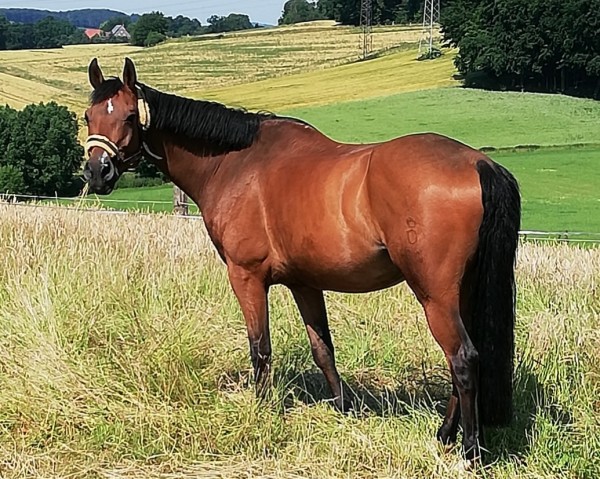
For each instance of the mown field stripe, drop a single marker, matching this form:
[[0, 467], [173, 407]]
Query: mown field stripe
[[393, 73]]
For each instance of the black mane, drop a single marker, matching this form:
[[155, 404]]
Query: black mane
[[203, 125], [107, 89], [217, 127]]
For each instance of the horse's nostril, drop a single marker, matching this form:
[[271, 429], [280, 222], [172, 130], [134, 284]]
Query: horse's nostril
[[108, 170], [87, 173]]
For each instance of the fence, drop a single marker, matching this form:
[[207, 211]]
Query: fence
[[181, 208]]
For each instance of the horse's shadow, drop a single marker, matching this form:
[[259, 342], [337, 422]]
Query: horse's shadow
[[364, 396], [531, 397], [432, 391]]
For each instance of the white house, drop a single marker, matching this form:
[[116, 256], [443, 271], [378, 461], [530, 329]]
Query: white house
[[120, 31]]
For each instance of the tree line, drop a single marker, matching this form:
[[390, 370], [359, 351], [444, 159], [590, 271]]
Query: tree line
[[47, 33], [347, 12], [81, 18], [153, 28], [147, 30], [535, 45]]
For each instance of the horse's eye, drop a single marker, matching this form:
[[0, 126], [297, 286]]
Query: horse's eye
[[131, 118]]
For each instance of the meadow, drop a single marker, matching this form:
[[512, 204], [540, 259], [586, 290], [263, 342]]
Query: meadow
[[124, 350], [125, 356], [190, 66]]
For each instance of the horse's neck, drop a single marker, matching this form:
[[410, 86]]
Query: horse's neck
[[187, 170], [195, 174]]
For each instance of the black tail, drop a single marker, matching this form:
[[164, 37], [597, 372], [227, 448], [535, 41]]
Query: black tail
[[494, 312]]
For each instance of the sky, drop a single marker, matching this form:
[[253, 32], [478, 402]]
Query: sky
[[260, 11]]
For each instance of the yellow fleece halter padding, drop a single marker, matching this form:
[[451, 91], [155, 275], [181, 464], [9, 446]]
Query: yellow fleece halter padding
[[102, 142]]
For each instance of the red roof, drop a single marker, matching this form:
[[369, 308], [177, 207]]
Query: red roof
[[92, 32]]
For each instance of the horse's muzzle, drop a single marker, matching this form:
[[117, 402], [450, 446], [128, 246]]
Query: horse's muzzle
[[101, 174]]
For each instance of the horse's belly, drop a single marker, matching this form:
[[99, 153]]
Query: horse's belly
[[352, 274]]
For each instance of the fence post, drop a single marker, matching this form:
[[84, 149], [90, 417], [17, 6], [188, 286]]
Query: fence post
[[180, 202]]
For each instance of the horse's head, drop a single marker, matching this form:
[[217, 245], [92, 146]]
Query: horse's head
[[115, 120]]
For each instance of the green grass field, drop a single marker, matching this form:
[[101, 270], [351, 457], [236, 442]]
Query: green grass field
[[560, 188], [478, 118], [153, 199], [124, 356]]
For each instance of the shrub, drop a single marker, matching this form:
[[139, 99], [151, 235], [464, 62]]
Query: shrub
[[39, 150], [154, 38]]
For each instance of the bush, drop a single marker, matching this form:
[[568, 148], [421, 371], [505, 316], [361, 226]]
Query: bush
[[39, 150], [154, 38], [11, 181]]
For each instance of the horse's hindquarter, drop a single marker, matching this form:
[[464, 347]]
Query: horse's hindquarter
[[425, 198], [341, 214]]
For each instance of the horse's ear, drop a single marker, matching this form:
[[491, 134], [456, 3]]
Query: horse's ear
[[95, 74], [129, 74]]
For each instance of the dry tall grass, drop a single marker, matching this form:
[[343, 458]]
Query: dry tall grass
[[124, 355]]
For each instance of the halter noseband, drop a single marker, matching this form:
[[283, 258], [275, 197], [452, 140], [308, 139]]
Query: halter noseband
[[113, 151]]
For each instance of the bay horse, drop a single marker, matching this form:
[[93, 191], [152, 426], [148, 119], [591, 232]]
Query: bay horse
[[284, 204]]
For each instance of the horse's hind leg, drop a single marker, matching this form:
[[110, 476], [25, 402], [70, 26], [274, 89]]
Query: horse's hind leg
[[448, 329], [449, 429], [436, 280], [312, 309]]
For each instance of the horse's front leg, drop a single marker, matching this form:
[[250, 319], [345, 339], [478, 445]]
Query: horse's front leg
[[251, 291]]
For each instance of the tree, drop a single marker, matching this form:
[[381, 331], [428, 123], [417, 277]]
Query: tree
[[52, 33], [232, 22], [181, 26], [39, 149], [78, 38], [296, 11], [4, 26], [11, 181], [384, 11], [327, 8], [147, 23], [549, 45], [348, 12]]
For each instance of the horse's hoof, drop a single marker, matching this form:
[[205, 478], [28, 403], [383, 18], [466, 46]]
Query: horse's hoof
[[446, 437], [344, 407], [472, 456], [466, 465]]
